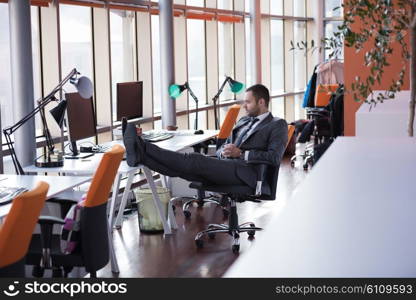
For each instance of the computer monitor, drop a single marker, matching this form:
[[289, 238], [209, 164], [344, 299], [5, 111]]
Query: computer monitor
[[129, 100], [81, 119]]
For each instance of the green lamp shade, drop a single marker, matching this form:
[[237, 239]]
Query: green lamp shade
[[236, 87], [175, 90]]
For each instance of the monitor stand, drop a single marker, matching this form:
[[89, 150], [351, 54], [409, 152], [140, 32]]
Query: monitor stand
[[75, 154]]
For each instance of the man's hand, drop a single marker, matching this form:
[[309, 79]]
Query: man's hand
[[230, 150]]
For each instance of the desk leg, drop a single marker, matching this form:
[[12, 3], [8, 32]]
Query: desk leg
[[116, 187], [166, 228], [113, 258], [119, 220], [171, 215]]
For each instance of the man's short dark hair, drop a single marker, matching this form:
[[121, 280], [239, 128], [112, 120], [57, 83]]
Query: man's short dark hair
[[259, 91]]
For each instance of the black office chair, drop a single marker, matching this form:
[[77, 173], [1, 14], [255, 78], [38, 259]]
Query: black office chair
[[201, 198], [267, 175], [92, 250]]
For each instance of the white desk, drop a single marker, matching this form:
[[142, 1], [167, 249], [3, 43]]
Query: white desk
[[387, 119], [353, 216], [180, 141], [56, 185]]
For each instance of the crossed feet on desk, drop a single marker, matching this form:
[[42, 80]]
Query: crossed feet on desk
[[134, 144]]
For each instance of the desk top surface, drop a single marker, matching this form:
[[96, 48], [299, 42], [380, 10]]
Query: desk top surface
[[180, 141], [353, 216], [57, 184]]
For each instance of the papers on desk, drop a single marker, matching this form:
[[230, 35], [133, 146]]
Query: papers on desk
[[7, 194]]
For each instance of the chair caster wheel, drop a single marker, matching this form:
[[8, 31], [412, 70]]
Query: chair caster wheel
[[199, 244], [292, 164], [187, 214], [236, 248], [200, 204], [38, 271], [173, 208], [305, 167], [211, 235], [251, 233], [225, 212]]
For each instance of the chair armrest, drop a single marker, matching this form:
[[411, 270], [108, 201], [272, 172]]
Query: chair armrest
[[46, 226], [261, 167], [260, 162], [50, 220], [64, 203]]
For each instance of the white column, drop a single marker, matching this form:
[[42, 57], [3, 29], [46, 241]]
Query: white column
[[22, 78], [167, 63], [255, 14]]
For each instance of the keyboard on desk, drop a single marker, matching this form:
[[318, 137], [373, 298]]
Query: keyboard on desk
[[156, 136], [7, 194]]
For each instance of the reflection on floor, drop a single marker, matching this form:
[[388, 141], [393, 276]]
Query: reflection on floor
[[146, 255]]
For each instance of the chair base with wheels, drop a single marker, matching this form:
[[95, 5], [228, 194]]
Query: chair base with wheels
[[233, 229], [200, 200]]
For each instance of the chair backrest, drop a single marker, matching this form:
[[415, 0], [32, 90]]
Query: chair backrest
[[323, 94], [16, 232], [228, 124], [290, 132], [104, 177], [94, 225]]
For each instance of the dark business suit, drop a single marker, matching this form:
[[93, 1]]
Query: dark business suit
[[266, 142]]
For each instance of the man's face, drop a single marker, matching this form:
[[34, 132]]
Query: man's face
[[250, 105]]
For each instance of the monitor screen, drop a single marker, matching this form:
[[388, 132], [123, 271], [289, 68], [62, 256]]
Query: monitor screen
[[81, 118], [129, 100]]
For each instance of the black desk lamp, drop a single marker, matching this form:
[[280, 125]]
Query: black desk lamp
[[49, 160], [176, 90], [235, 86]]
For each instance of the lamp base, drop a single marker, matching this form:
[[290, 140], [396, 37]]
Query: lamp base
[[50, 161]]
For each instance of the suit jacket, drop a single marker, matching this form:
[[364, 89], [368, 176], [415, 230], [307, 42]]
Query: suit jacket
[[266, 142]]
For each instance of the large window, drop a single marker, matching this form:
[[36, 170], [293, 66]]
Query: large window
[[76, 40], [5, 78], [332, 19], [123, 54], [196, 60], [299, 73], [225, 56], [195, 2], [196, 68], [276, 7], [277, 57], [156, 65], [6, 102]]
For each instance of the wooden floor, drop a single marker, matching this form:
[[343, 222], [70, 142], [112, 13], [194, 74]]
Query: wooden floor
[[152, 255]]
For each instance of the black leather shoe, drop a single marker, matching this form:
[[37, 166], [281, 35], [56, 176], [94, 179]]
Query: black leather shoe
[[134, 149]]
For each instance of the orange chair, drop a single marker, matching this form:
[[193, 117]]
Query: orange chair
[[16, 232], [290, 132], [323, 94], [93, 249], [229, 122]]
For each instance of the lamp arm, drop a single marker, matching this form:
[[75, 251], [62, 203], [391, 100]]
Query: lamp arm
[[215, 99], [191, 93], [196, 102], [8, 131], [221, 89]]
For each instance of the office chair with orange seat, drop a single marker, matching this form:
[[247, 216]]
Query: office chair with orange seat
[[225, 131], [17, 230], [92, 251], [267, 177], [320, 119]]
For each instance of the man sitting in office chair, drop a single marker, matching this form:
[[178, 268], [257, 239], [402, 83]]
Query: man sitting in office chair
[[257, 136]]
